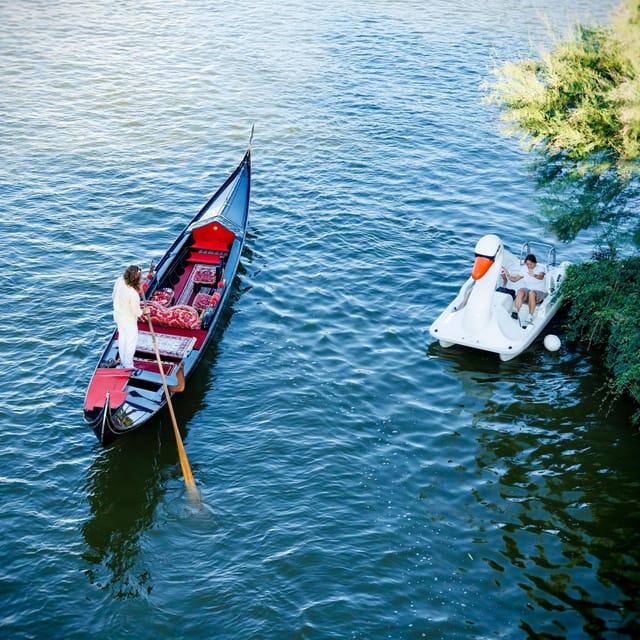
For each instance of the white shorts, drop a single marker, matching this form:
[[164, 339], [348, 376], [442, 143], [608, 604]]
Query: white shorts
[[540, 295]]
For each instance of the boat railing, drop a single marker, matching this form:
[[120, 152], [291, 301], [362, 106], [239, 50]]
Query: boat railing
[[539, 249]]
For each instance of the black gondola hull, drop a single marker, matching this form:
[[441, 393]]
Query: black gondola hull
[[187, 293]]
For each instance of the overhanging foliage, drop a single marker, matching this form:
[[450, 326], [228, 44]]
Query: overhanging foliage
[[582, 98]]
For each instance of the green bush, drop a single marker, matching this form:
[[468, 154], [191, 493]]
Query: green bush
[[581, 99], [604, 311]]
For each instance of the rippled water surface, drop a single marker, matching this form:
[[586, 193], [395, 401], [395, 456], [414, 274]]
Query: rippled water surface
[[357, 480]]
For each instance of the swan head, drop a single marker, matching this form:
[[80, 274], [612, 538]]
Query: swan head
[[487, 251]]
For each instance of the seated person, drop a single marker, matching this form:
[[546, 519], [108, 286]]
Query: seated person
[[532, 288]]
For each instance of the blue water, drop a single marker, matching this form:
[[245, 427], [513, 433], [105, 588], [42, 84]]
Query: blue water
[[357, 480]]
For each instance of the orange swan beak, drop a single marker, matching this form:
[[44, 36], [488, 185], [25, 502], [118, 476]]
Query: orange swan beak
[[481, 266]]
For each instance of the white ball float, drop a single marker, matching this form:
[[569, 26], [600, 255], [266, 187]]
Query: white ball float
[[551, 342]]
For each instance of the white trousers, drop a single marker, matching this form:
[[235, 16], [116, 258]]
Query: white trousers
[[127, 341]]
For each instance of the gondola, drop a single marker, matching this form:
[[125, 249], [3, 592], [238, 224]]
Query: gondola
[[186, 293]]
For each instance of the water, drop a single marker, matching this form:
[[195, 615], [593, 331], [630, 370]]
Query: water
[[357, 480]]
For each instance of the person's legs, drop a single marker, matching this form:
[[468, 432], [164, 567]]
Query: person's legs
[[520, 298], [127, 341], [532, 302]]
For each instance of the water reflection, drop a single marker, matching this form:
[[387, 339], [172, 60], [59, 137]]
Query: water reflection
[[124, 486], [560, 491], [573, 198], [128, 480]]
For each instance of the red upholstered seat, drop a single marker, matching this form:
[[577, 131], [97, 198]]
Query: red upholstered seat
[[208, 245], [204, 258], [213, 237]]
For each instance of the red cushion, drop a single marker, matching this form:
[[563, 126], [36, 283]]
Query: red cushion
[[204, 275], [181, 316], [201, 301], [163, 297]]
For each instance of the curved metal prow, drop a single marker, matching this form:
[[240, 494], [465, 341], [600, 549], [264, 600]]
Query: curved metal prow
[[105, 416]]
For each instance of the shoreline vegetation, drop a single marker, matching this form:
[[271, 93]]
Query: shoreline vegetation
[[578, 108]]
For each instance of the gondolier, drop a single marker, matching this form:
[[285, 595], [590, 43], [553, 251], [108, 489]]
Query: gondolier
[[126, 311]]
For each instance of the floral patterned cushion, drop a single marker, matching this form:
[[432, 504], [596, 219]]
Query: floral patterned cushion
[[201, 301], [181, 316], [163, 297], [204, 275]]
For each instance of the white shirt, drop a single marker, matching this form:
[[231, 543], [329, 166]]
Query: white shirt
[[126, 303], [529, 282]]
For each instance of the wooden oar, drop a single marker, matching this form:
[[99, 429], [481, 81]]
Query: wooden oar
[[182, 454]]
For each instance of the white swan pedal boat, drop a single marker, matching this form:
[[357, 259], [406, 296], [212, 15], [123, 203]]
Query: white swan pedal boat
[[480, 316]]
